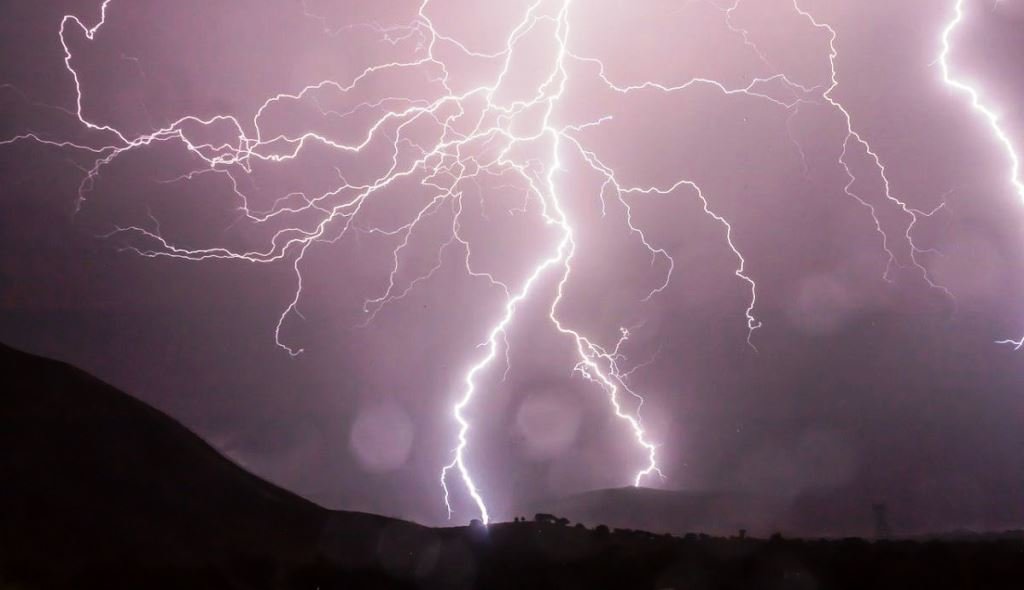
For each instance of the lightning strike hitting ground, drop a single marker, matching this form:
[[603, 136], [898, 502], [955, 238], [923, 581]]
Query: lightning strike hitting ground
[[479, 134]]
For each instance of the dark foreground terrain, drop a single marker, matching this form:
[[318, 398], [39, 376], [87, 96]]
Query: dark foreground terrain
[[98, 490]]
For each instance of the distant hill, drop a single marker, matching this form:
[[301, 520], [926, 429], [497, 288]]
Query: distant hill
[[817, 513], [660, 511], [715, 513]]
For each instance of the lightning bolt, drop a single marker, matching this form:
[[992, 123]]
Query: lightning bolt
[[478, 133], [855, 137], [989, 116]]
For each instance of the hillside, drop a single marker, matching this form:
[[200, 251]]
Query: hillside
[[92, 476]]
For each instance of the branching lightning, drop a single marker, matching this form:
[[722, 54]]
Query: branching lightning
[[853, 136], [479, 134]]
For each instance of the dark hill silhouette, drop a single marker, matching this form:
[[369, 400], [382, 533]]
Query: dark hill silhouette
[[91, 475]]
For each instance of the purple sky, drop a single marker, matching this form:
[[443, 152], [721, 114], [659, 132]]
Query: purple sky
[[879, 390]]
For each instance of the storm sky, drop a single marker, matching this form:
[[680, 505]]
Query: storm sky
[[886, 390]]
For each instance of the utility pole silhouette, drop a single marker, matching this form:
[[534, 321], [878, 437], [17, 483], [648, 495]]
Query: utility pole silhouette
[[882, 530]]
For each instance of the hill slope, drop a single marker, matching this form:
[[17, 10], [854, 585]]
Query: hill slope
[[92, 476]]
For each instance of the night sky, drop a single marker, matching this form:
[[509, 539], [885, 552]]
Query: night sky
[[887, 390]]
